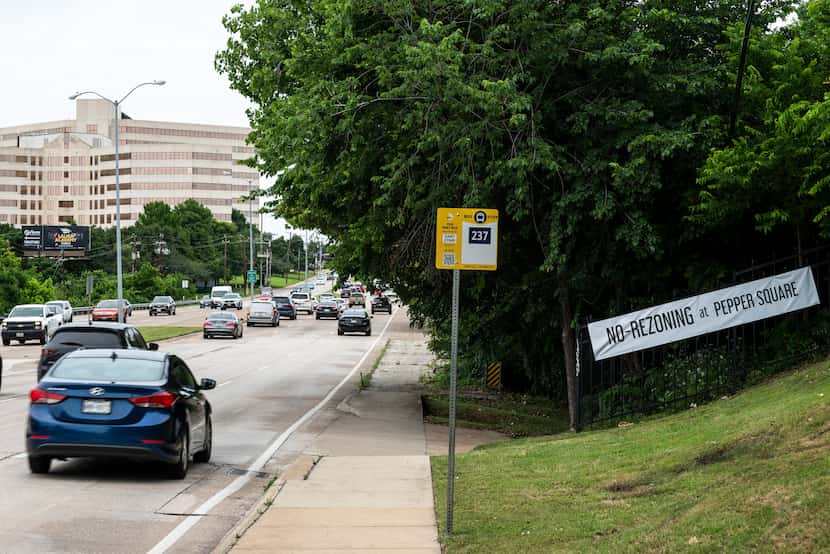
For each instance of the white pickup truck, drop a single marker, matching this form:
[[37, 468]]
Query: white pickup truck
[[30, 322]]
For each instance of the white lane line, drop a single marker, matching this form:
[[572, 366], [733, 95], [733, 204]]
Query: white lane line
[[183, 527], [13, 398], [228, 382], [263, 368]]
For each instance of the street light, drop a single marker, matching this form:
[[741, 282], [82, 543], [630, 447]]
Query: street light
[[115, 105]]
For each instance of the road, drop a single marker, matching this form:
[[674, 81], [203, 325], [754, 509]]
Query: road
[[266, 382]]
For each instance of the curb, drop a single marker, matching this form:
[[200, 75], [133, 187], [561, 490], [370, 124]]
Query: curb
[[251, 516]]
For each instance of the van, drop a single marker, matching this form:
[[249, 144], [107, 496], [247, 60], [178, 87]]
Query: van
[[217, 293]]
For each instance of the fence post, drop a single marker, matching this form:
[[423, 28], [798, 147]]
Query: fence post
[[578, 422]]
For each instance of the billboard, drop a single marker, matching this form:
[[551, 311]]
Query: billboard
[[53, 240]]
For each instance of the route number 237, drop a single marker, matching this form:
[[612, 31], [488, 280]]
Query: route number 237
[[479, 235]]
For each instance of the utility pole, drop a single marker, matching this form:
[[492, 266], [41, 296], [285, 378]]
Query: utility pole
[[306, 255], [225, 244], [161, 249]]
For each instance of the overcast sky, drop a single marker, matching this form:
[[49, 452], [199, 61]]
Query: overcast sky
[[53, 48]]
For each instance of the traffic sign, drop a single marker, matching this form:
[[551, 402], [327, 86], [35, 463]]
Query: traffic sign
[[252, 278], [467, 238]]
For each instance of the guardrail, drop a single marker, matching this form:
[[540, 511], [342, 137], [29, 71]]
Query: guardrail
[[142, 306]]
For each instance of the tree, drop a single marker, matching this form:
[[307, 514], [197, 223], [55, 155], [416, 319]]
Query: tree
[[583, 122], [777, 172]]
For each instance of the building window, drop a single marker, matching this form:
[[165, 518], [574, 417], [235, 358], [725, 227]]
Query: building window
[[66, 159], [65, 188], [65, 219], [66, 175], [91, 128], [66, 203]]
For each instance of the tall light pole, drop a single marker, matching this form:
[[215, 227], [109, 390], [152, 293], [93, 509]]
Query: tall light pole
[[115, 105], [251, 234]]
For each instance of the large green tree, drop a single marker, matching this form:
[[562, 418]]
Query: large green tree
[[583, 122]]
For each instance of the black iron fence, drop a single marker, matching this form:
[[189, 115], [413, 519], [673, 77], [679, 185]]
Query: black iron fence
[[693, 371]]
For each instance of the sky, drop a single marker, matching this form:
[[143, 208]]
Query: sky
[[54, 48]]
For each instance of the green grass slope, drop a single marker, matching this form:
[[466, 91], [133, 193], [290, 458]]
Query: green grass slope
[[745, 474]]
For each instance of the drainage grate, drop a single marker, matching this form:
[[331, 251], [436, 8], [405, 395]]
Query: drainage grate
[[257, 474]]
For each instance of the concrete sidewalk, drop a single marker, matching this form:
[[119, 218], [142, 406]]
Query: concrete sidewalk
[[361, 479]]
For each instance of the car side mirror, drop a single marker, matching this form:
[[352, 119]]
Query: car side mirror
[[153, 346], [207, 384]]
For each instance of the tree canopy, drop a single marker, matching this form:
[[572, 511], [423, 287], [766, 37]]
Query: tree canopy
[[585, 123]]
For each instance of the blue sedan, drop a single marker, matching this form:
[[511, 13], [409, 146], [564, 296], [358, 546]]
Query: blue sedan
[[120, 403]]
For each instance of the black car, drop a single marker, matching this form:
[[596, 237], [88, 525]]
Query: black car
[[327, 308], [381, 304], [285, 307], [222, 324], [73, 336], [354, 321], [163, 305]]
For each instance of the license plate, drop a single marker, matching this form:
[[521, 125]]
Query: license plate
[[19, 334], [100, 407]]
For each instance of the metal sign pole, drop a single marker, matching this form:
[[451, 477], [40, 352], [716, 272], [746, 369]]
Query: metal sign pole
[[456, 278]]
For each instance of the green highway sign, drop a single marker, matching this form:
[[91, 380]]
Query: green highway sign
[[252, 276]]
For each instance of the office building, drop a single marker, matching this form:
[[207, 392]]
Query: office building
[[64, 171]]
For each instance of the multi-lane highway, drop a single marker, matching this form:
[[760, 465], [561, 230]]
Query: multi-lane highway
[[267, 381]]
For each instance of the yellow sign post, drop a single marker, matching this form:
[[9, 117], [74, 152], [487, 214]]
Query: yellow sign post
[[494, 375], [465, 239]]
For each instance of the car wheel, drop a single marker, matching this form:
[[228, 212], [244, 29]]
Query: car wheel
[[340, 332], [6, 342], [178, 470], [21, 341], [317, 316], [248, 324], [206, 335], [43, 338], [203, 456], [275, 323], [369, 332], [39, 464]]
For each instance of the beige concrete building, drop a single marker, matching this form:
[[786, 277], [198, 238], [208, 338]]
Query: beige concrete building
[[63, 171]]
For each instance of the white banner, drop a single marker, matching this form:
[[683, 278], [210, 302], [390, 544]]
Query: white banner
[[705, 313]]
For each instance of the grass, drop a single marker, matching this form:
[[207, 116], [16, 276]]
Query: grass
[[749, 473], [514, 415], [154, 334], [366, 378]]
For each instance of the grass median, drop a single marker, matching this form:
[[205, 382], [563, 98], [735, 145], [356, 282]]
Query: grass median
[[154, 334], [750, 473]]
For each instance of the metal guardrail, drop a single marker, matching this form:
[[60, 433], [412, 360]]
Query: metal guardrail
[[141, 306]]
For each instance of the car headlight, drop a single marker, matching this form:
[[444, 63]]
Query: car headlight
[[37, 324], [5, 325]]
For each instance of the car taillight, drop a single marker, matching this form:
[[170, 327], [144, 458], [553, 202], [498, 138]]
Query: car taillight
[[232, 324], [207, 324], [160, 400], [40, 396], [45, 352]]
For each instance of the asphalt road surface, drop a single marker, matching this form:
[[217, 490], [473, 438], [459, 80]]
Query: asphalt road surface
[[266, 382]]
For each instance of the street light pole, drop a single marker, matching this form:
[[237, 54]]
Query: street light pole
[[118, 265], [251, 234]]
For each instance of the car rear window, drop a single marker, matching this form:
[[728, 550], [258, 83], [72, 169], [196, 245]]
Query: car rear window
[[282, 299], [354, 313], [109, 369], [261, 307], [89, 339], [299, 296], [220, 316]]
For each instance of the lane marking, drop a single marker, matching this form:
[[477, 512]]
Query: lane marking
[[179, 531], [13, 398], [228, 382]]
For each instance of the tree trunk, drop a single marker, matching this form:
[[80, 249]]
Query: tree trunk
[[569, 349]]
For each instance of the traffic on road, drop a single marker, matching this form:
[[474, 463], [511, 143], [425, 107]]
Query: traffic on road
[[103, 411]]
